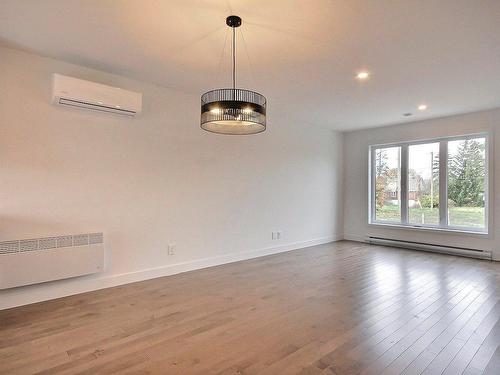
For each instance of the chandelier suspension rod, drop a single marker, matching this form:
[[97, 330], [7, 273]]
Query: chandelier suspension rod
[[234, 59]]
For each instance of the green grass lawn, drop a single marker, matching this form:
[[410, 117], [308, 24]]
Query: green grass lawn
[[471, 217]]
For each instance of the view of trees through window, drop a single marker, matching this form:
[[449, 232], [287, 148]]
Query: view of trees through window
[[423, 183], [465, 180], [388, 184]]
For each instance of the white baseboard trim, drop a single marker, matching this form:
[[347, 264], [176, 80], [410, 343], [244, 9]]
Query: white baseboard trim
[[354, 237], [42, 292]]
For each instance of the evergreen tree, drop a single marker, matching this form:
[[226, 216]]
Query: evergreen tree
[[466, 174]]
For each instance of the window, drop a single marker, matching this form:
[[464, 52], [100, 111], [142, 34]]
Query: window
[[409, 181], [466, 183], [423, 183], [388, 184]]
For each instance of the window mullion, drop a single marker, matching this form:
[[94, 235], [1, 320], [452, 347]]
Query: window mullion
[[372, 184], [443, 184], [404, 184]]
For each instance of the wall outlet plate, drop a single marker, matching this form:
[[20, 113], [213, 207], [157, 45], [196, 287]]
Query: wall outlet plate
[[171, 249]]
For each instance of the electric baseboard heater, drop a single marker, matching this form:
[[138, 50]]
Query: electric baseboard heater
[[38, 260], [471, 253]]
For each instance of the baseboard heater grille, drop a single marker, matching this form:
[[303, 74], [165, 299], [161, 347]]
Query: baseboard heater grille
[[37, 260], [471, 253]]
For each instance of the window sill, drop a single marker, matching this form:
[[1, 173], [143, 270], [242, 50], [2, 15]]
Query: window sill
[[430, 229]]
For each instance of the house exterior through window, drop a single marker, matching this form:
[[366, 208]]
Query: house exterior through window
[[440, 184]]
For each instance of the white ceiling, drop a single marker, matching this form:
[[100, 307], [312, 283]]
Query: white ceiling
[[304, 53]]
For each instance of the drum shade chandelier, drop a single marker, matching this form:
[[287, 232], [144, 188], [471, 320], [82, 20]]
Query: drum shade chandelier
[[231, 110]]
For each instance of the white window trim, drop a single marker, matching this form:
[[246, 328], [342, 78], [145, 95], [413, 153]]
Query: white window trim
[[443, 180]]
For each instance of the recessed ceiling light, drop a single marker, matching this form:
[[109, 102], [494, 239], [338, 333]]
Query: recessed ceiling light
[[363, 75], [422, 107]]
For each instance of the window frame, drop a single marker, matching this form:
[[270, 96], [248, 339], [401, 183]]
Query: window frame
[[443, 185]]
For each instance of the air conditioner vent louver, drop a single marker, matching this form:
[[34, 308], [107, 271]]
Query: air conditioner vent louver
[[73, 92], [95, 107]]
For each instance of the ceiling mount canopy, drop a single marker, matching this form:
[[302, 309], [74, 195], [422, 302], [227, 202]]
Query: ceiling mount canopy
[[233, 21], [231, 110]]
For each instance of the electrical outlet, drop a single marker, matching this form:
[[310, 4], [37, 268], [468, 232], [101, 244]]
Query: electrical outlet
[[276, 235], [171, 249]]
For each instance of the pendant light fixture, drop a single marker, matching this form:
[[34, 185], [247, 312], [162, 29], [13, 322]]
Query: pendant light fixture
[[233, 111]]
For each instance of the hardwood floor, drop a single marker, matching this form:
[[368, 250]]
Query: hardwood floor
[[341, 308]]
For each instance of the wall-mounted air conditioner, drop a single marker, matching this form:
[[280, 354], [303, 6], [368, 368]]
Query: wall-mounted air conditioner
[[74, 92]]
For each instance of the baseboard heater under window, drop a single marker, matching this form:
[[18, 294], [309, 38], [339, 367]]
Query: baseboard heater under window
[[37, 260], [471, 253]]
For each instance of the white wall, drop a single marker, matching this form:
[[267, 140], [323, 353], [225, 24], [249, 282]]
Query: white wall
[[356, 178], [155, 179]]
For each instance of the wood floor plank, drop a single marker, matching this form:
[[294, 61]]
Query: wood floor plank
[[421, 354], [463, 358], [494, 364], [340, 358], [487, 349], [336, 309]]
